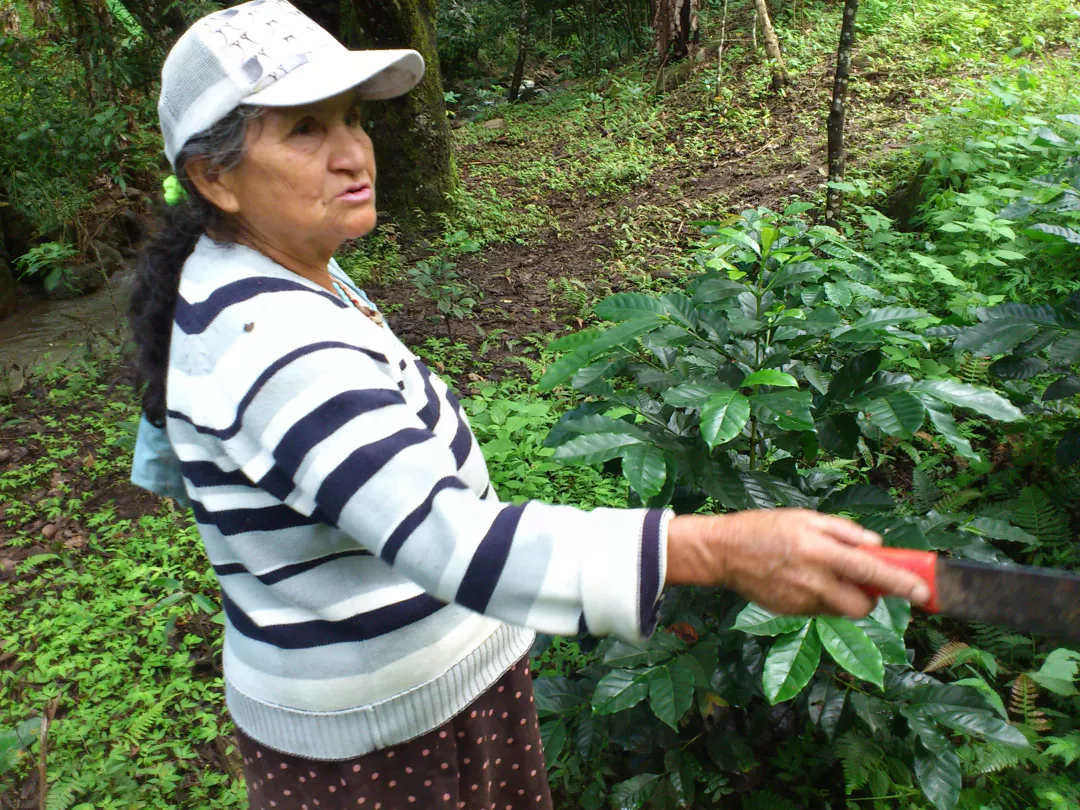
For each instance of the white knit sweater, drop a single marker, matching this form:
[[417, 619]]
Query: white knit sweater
[[373, 583]]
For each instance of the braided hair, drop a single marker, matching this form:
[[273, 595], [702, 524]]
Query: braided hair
[[179, 227]]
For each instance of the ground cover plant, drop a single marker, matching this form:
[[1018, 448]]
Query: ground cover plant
[[717, 348]]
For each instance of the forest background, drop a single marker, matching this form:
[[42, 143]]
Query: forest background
[[625, 232]]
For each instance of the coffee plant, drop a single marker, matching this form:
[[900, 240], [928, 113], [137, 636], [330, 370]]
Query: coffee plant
[[759, 386]]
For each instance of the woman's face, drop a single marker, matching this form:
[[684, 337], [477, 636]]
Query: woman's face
[[306, 183]]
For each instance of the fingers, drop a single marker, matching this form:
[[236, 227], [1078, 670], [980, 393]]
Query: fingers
[[854, 566], [844, 530]]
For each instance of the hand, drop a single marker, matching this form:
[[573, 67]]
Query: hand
[[787, 560]]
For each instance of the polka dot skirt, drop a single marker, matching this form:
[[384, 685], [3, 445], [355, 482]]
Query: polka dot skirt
[[488, 757]]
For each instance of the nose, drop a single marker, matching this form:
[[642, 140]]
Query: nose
[[350, 151]]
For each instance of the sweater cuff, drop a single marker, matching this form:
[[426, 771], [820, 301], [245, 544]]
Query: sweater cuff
[[621, 583]]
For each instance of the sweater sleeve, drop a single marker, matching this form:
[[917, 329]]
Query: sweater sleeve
[[325, 428]]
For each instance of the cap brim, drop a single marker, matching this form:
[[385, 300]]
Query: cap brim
[[374, 74]]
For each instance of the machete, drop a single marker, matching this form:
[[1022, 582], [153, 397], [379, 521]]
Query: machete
[[1035, 600]]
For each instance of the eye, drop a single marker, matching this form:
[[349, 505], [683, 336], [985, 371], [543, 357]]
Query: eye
[[305, 126]]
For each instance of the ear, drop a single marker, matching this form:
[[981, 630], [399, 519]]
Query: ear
[[217, 187]]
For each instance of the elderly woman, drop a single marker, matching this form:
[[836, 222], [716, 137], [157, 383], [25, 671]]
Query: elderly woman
[[379, 600]]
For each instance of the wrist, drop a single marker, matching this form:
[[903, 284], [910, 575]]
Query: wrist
[[695, 550]]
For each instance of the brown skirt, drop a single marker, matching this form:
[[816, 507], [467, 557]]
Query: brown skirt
[[488, 757]]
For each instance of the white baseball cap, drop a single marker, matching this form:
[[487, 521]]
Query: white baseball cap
[[267, 53]]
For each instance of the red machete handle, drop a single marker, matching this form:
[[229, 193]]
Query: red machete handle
[[921, 563]]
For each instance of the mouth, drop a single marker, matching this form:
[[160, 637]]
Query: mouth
[[357, 192]]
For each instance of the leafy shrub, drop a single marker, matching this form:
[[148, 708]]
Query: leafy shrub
[[756, 388]]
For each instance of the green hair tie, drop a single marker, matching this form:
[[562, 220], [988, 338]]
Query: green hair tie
[[174, 192]]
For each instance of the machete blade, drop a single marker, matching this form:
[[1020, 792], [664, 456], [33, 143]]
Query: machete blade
[[1034, 600]]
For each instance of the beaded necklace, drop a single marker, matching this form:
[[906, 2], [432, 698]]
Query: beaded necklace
[[349, 297]]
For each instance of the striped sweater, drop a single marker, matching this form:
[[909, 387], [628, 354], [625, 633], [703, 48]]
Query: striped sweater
[[372, 582]]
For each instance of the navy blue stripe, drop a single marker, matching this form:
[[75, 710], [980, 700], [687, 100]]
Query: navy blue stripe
[[194, 319], [277, 483], [582, 626], [649, 583], [323, 421], [462, 444], [409, 525], [430, 413], [363, 627], [227, 433], [486, 566], [360, 467], [288, 571], [209, 474], [239, 521], [487, 491]]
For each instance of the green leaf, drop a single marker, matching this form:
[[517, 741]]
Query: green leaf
[[981, 400], [851, 377], [553, 739], [723, 417], [568, 364], [795, 273], [683, 770], [898, 414], [769, 376], [715, 290], [621, 689], [1052, 233], [671, 692], [937, 770], [1002, 530], [887, 640], [558, 695], [790, 664], [1018, 368], [624, 306], [859, 499], [888, 316], [645, 468], [995, 336], [755, 620], [691, 395], [851, 648], [634, 792], [1059, 672], [966, 710], [658, 649], [788, 410], [595, 448], [1063, 388], [204, 602], [943, 420], [826, 704]]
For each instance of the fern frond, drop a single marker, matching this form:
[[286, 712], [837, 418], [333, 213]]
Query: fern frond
[[1036, 514], [955, 501], [63, 794], [1023, 703], [973, 370], [911, 451], [993, 757], [945, 656], [999, 642], [859, 756], [1066, 748], [143, 722], [924, 491], [534, 367]]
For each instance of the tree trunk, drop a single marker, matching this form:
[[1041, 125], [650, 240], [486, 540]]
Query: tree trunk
[[835, 197], [411, 133], [772, 47], [523, 49], [675, 27]]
